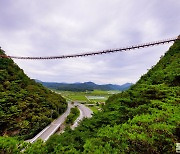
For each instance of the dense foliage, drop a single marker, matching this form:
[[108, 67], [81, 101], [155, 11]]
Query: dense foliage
[[144, 119], [25, 106], [74, 113]]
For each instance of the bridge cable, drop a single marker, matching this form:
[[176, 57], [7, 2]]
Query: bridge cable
[[145, 45]]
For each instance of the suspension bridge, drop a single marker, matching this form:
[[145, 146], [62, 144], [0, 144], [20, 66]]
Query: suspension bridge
[[145, 45]]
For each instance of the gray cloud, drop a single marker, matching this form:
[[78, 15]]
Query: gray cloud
[[45, 28]]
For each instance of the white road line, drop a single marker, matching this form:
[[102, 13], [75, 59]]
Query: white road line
[[39, 134], [77, 120], [83, 109], [85, 112], [52, 132]]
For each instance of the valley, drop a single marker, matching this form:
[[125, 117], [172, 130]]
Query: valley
[[142, 119], [61, 122], [93, 99], [89, 77]]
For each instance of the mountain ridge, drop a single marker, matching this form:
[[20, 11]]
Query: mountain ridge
[[143, 119], [90, 86]]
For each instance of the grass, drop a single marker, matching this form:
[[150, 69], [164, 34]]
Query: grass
[[99, 92], [73, 96], [82, 97], [94, 109], [78, 97], [74, 114]]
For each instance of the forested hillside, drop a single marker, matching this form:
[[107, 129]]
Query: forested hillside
[[25, 106], [144, 119], [86, 86]]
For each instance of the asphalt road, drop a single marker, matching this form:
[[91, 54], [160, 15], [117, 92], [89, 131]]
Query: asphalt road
[[52, 128], [85, 112]]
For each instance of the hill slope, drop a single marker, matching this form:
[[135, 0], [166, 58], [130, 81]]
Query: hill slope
[[144, 119], [25, 106], [90, 86]]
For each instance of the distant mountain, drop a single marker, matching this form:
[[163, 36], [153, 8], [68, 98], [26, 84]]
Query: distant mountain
[[84, 86], [143, 119]]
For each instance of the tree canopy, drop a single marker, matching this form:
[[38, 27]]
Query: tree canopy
[[143, 119], [25, 106]]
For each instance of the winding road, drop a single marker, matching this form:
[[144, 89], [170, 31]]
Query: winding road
[[85, 112]]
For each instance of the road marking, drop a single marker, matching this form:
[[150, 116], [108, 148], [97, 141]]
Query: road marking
[[39, 134]]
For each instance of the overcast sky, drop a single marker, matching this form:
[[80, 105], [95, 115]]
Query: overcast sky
[[60, 27]]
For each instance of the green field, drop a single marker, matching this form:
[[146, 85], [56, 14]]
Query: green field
[[94, 109], [88, 96], [73, 96], [96, 97]]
